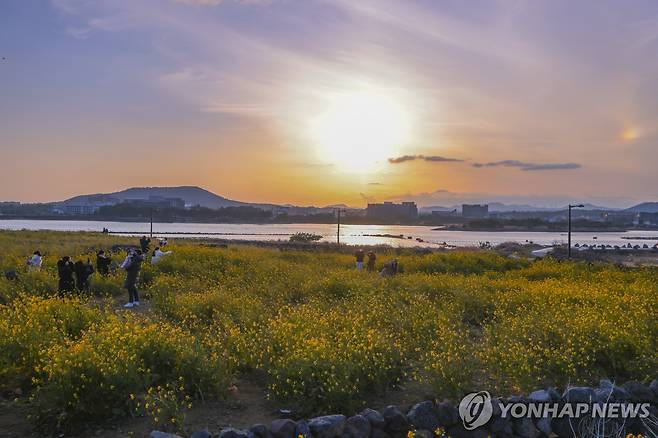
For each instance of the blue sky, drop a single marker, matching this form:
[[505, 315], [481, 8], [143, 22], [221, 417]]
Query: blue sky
[[541, 101]]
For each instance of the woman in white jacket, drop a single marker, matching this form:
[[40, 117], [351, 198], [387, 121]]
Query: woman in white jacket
[[34, 262], [158, 254]]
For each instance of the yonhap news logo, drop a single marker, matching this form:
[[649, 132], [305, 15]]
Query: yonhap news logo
[[476, 409]]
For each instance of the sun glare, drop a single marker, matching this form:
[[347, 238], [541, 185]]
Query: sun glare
[[360, 130]]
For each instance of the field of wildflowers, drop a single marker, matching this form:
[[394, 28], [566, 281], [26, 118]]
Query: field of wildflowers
[[324, 335]]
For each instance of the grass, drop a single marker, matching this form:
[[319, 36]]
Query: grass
[[324, 336]]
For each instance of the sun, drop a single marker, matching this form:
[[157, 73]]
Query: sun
[[359, 131]]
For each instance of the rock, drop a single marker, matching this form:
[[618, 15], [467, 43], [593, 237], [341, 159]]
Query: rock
[[424, 416], [544, 426], [541, 396], [458, 431], [376, 419], [564, 427], [649, 429], [423, 433], [302, 429], [525, 428], [205, 433], [378, 433], [329, 426], [395, 420], [158, 434], [579, 394], [639, 393], [555, 396], [612, 394], [653, 386], [501, 427], [283, 428], [357, 426], [260, 431], [231, 432], [448, 414]]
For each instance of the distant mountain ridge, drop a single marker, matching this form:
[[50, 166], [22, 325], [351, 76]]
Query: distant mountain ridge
[[192, 195], [645, 207]]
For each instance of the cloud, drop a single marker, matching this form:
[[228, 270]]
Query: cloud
[[529, 166], [430, 158]]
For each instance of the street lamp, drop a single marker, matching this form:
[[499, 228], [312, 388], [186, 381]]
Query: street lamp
[[569, 239]]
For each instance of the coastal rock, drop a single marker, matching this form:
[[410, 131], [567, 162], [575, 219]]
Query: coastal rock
[[260, 431], [158, 434], [395, 419], [447, 414], [424, 416], [328, 426], [205, 433], [231, 432], [423, 433], [302, 429], [540, 396], [544, 426], [376, 419], [639, 393], [458, 431], [501, 427], [525, 428], [653, 386], [357, 426], [579, 394], [283, 428], [379, 433]]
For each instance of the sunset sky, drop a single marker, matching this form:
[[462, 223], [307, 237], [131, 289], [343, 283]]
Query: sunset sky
[[332, 101]]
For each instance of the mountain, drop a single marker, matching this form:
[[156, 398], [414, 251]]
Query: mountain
[[190, 194], [645, 207]]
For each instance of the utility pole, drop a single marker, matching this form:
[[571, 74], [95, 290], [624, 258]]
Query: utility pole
[[151, 234], [338, 212], [569, 234]]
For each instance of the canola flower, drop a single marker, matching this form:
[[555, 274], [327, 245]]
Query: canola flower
[[323, 335]]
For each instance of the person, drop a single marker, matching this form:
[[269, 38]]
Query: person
[[390, 269], [163, 242], [65, 273], [103, 263], [34, 262], [359, 255], [82, 273], [158, 254], [370, 266], [132, 265], [144, 244]]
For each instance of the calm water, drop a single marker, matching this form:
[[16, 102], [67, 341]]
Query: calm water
[[349, 234]]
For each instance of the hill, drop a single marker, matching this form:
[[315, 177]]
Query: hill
[[645, 207]]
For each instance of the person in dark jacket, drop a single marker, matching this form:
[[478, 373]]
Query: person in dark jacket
[[359, 255], [82, 273], [65, 272], [145, 244], [132, 265], [370, 265], [103, 263]]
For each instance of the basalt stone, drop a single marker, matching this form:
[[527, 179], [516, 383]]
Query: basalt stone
[[260, 431], [376, 419], [541, 396], [357, 426], [500, 427], [395, 420], [329, 426], [231, 432], [448, 414], [302, 429], [544, 426], [612, 394], [458, 431], [158, 434], [579, 394], [283, 428], [653, 386], [639, 393], [525, 428], [564, 427], [378, 433], [555, 395], [205, 433], [424, 416], [423, 433], [649, 429]]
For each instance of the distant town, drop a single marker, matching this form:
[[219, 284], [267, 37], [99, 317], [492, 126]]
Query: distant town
[[193, 204]]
